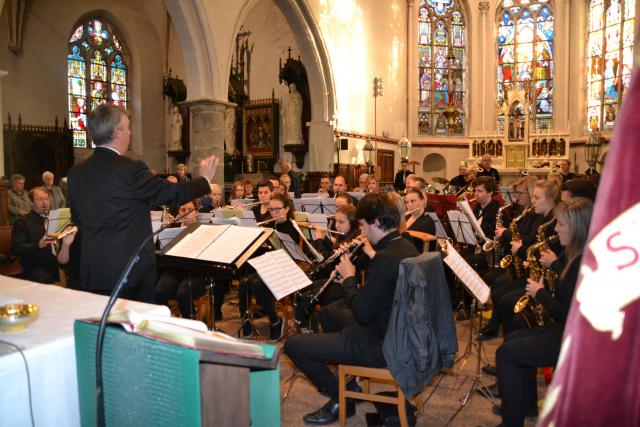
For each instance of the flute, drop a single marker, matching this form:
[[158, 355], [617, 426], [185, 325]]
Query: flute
[[318, 227], [269, 220], [246, 205], [412, 211]]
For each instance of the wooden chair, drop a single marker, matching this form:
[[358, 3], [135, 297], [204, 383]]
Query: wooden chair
[[9, 265], [382, 375]]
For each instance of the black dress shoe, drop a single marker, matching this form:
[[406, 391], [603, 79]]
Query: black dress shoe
[[490, 370], [328, 414]]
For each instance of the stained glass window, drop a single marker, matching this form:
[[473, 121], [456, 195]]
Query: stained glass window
[[96, 72], [441, 81], [609, 59], [525, 58]]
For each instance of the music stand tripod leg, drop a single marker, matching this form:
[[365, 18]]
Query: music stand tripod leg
[[247, 317]]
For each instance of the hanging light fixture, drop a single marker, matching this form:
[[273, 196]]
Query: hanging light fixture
[[404, 145], [592, 151], [368, 154]]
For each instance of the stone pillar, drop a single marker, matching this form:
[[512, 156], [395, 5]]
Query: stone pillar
[[320, 157], [484, 7], [207, 134], [2, 74]]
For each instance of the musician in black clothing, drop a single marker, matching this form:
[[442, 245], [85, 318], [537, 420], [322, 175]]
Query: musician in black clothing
[[487, 170], [281, 210], [418, 220], [264, 189], [461, 179], [401, 175], [523, 351], [359, 344], [564, 171]]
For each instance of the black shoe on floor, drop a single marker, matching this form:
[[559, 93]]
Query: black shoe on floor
[[328, 414], [276, 329], [490, 370], [486, 333], [354, 386]]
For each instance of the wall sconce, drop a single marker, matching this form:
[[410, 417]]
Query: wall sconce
[[592, 151], [404, 145], [368, 154]]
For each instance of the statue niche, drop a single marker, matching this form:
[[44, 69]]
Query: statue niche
[[517, 120]]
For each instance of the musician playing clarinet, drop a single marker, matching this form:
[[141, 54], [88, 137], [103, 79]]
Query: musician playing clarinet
[[359, 343]]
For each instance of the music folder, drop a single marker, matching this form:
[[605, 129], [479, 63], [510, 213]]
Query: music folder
[[215, 245]]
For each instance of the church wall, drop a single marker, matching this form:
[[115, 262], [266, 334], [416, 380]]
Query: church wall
[[36, 86]]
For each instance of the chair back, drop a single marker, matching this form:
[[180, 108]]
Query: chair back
[[9, 265]]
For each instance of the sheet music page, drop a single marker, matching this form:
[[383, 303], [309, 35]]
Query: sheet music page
[[168, 234], [230, 244], [317, 255], [193, 244], [204, 217], [440, 232], [475, 222], [467, 275], [292, 247], [229, 221], [328, 206], [281, 275], [58, 220]]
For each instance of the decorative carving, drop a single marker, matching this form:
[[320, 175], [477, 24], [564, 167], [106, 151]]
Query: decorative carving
[[484, 7], [15, 22]]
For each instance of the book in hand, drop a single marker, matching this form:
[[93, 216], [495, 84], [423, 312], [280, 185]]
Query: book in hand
[[184, 332]]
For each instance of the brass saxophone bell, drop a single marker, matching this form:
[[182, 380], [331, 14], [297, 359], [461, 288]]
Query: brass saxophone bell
[[521, 304], [506, 261]]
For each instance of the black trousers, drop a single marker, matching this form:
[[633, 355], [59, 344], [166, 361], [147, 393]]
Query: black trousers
[[516, 362], [41, 274], [177, 284], [355, 345], [252, 284], [336, 316], [305, 308], [503, 286]]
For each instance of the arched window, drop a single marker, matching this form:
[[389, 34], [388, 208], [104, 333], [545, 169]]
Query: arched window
[[97, 73], [441, 27], [609, 59], [525, 58]]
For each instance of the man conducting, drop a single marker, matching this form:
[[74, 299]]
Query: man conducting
[[110, 195], [361, 343]]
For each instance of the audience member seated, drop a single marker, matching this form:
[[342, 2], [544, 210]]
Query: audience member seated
[[30, 242], [55, 193], [19, 204]]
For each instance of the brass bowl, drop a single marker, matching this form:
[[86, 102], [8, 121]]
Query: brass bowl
[[15, 318]]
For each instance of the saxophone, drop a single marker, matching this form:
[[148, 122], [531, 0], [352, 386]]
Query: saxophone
[[515, 237], [496, 240], [537, 271]]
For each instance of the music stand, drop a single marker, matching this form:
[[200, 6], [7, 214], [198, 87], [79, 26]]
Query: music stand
[[480, 293]]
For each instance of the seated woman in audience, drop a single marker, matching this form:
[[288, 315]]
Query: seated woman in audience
[[523, 351], [281, 210], [237, 191], [417, 217]]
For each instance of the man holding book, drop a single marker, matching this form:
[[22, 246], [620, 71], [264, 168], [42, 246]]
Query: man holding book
[[361, 343]]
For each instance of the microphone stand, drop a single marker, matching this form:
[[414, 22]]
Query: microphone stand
[[122, 280]]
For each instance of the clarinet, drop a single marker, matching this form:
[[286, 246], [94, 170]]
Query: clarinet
[[319, 268], [353, 251]]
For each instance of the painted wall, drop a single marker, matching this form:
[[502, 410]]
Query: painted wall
[[36, 86]]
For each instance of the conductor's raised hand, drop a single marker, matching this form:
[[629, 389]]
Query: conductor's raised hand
[[208, 167]]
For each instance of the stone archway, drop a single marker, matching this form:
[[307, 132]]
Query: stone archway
[[434, 165]]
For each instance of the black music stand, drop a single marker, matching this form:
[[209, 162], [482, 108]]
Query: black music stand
[[224, 268]]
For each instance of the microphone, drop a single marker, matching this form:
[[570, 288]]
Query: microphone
[[122, 280]]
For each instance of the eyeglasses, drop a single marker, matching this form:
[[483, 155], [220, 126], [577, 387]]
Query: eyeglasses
[[519, 193], [275, 209]]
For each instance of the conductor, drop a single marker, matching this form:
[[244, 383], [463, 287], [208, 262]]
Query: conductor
[[110, 195]]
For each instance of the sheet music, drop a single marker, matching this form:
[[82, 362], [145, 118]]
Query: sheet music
[[475, 222], [58, 220], [440, 232], [194, 244], [311, 195], [168, 234], [311, 205], [281, 275], [328, 206], [461, 228], [467, 275], [229, 221], [292, 247], [317, 255], [241, 201], [156, 220], [204, 217], [230, 244]]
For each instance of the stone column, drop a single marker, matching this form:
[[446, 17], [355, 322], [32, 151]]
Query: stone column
[[320, 157], [484, 7], [207, 133], [2, 74]]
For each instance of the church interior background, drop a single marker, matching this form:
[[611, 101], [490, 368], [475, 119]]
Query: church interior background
[[530, 82]]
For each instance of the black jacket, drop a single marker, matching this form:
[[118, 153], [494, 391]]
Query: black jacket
[[110, 198], [421, 337], [398, 182], [424, 224], [25, 238], [488, 214]]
